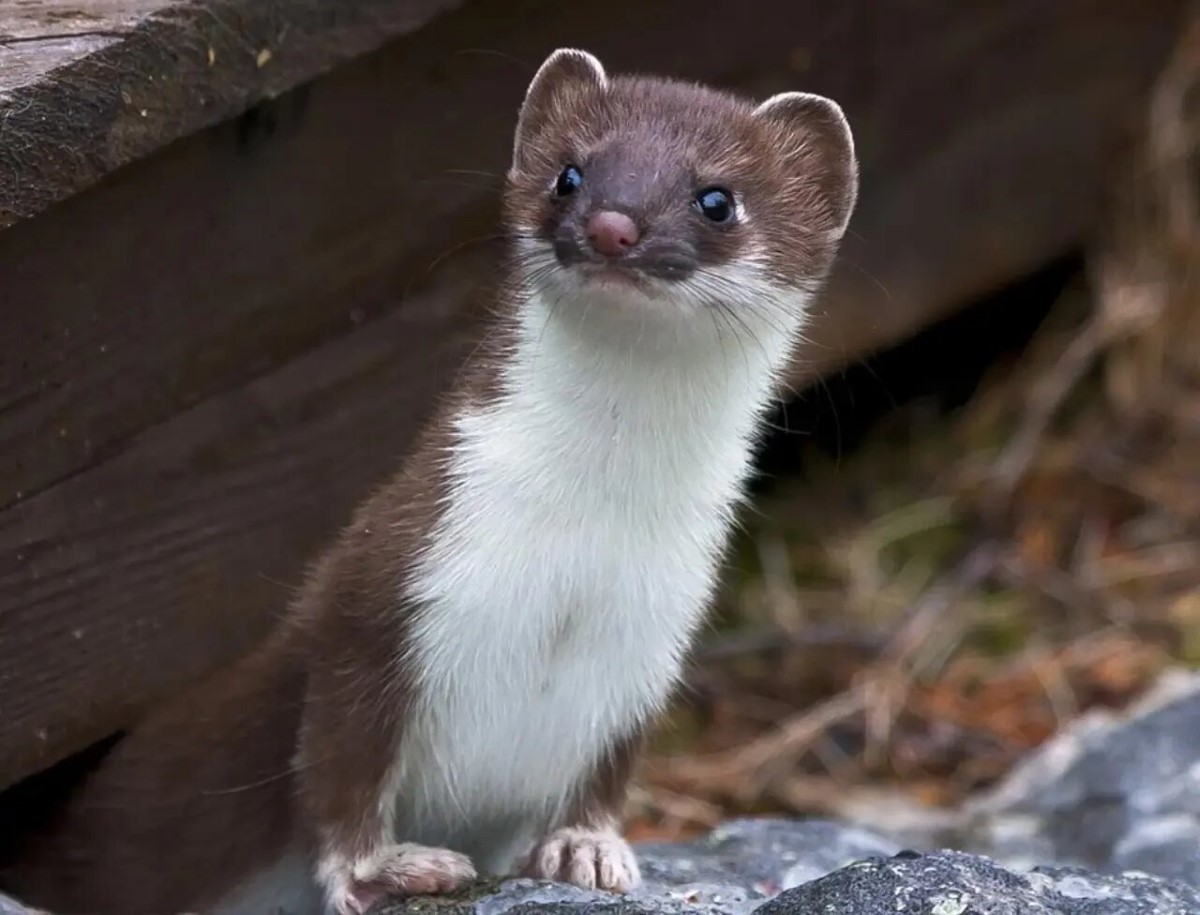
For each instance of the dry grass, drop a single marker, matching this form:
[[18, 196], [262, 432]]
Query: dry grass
[[919, 616]]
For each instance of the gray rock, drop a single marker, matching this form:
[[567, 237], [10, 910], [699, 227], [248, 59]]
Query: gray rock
[[939, 883], [730, 871], [1104, 820], [10, 906], [954, 883], [759, 855], [1113, 793], [518, 897]]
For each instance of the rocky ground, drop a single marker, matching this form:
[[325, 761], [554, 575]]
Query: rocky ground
[[1103, 820]]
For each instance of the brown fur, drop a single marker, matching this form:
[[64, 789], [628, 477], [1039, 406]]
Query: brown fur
[[200, 791], [601, 794], [293, 745], [646, 146]]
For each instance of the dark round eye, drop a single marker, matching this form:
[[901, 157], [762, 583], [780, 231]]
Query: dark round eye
[[568, 181], [715, 203]]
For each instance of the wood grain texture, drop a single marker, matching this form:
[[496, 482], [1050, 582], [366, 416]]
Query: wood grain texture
[[33, 20], [38, 36], [137, 574], [89, 86], [212, 354]]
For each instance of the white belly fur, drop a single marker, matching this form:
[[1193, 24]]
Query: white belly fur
[[584, 525]]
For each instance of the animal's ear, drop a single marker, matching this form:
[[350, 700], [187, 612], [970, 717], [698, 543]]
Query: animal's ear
[[564, 72], [816, 141]]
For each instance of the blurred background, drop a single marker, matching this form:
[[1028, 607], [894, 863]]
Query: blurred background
[[235, 277], [966, 539]]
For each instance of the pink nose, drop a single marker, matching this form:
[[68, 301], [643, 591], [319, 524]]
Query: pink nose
[[611, 232]]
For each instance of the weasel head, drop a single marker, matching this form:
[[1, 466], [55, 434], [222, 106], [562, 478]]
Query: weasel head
[[659, 196]]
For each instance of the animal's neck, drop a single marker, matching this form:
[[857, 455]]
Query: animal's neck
[[592, 413], [574, 364]]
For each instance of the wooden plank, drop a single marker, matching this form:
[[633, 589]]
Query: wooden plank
[[137, 574], [38, 36], [25, 62], [176, 464], [32, 21], [91, 85], [218, 261]]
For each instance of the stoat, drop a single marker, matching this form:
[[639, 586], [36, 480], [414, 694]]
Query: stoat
[[464, 679]]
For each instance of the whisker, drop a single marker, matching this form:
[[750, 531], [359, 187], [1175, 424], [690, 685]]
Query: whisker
[[473, 171]]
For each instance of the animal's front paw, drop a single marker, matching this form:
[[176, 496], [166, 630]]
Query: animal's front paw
[[394, 870], [590, 858]]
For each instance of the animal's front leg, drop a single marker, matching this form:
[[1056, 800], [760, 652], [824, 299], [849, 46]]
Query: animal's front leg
[[352, 886], [348, 753], [593, 857], [587, 849]]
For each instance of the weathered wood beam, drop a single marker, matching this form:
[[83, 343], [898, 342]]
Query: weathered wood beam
[[87, 86]]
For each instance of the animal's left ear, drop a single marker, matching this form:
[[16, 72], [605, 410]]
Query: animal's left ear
[[565, 72], [816, 140]]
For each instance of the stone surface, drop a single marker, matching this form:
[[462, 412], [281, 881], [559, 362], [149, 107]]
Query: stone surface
[[1103, 820], [761, 856], [10, 906], [1113, 792], [731, 871], [747, 867], [954, 883]]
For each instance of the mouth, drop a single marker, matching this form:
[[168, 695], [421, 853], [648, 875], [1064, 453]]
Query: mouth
[[612, 276]]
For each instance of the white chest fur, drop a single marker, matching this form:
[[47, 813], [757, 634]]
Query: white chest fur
[[585, 519]]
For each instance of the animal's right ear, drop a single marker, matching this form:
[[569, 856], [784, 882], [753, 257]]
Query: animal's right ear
[[565, 71]]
